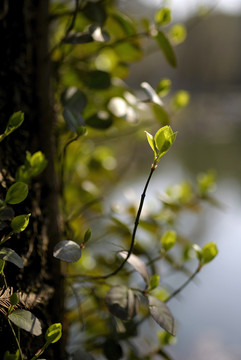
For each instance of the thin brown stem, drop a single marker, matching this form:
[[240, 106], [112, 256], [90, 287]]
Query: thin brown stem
[[176, 292]]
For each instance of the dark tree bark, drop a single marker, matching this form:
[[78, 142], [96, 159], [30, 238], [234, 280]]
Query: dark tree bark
[[25, 85]]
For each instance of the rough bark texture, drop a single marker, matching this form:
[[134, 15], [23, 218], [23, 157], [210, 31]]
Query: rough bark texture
[[25, 86]]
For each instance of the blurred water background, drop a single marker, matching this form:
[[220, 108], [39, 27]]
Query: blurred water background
[[208, 310]]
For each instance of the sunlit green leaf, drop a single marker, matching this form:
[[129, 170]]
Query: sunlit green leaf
[[168, 240], [8, 356], [209, 252], [181, 99], [163, 16], [154, 282], [53, 333], [20, 222], [163, 87], [177, 33], [164, 139], [151, 142]]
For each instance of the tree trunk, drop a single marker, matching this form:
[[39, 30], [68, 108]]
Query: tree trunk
[[25, 85]]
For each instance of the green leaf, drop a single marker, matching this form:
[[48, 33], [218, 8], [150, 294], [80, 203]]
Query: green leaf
[[98, 80], [137, 264], [163, 16], [20, 222], [37, 163], [168, 240], [14, 122], [128, 51], [2, 264], [25, 320], [122, 302], [206, 182], [177, 33], [164, 138], [8, 356], [161, 114], [87, 236], [10, 255], [154, 282], [181, 99], [209, 252], [14, 300], [162, 315], [151, 142], [164, 87], [16, 193], [53, 333], [166, 47], [125, 23], [67, 250]]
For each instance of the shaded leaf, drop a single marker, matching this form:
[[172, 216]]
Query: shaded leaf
[[10, 255], [162, 315], [166, 47], [26, 321], [67, 250], [122, 302], [100, 121], [161, 115], [150, 92], [98, 34], [78, 38], [16, 193], [98, 79], [87, 236], [137, 264], [6, 214], [73, 119], [14, 122]]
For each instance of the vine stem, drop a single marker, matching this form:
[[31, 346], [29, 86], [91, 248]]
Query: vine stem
[[138, 215], [137, 219], [176, 292], [16, 339]]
